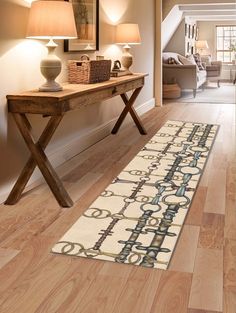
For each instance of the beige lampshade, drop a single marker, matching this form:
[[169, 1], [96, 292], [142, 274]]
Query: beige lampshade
[[128, 34], [202, 44], [51, 19]]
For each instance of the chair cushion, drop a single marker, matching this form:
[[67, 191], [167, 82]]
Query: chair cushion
[[189, 60], [212, 68], [213, 73], [167, 55]]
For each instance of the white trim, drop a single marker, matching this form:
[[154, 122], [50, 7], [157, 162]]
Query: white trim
[[145, 107], [76, 146]]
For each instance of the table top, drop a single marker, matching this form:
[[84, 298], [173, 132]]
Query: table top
[[73, 96], [70, 90]]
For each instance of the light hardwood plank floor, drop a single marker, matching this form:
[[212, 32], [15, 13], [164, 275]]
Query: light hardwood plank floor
[[201, 276]]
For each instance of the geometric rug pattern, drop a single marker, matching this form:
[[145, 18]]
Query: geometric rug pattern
[[138, 218]]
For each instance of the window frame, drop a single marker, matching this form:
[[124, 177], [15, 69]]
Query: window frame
[[224, 50]]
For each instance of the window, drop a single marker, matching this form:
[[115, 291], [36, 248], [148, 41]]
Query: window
[[226, 37]]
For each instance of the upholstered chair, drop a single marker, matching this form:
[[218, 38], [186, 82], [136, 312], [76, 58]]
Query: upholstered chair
[[213, 69]]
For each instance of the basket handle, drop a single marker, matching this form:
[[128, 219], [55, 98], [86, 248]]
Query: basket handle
[[84, 57]]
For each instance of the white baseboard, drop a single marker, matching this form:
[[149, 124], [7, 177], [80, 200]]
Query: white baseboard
[[145, 107], [68, 151], [76, 146]]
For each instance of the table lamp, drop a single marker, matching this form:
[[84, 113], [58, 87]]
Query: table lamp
[[201, 45], [51, 20], [127, 34]]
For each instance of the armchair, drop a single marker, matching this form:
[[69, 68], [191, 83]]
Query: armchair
[[186, 76], [213, 69]]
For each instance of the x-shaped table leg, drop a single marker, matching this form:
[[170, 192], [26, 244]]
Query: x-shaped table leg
[[39, 158], [129, 109]]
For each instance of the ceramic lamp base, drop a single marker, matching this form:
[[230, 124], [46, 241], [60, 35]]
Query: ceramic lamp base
[[50, 86], [127, 59], [50, 68]]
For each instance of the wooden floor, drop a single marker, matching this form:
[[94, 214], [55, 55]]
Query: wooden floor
[[202, 274]]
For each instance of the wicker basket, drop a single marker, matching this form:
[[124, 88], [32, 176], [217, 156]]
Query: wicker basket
[[171, 91], [88, 72]]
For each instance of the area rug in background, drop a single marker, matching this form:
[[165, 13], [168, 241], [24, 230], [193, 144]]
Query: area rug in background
[[138, 218], [211, 94]]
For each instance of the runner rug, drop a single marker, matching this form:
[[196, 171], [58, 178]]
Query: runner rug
[[138, 218]]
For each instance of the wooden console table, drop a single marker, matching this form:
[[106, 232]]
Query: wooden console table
[[55, 105]]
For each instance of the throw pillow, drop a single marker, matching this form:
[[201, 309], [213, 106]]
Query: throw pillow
[[197, 59], [172, 61], [187, 61], [191, 59]]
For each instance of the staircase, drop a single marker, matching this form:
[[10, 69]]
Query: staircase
[[207, 10], [170, 24]]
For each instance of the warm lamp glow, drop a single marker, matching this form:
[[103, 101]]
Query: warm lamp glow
[[49, 19], [114, 9], [29, 1], [128, 34], [112, 51], [202, 44]]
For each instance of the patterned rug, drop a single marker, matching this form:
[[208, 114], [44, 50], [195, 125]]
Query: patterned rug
[[138, 218]]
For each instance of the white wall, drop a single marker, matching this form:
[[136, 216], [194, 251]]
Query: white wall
[[19, 64], [207, 31]]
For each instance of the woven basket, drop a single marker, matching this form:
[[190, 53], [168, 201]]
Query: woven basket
[[171, 91], [88, 72]]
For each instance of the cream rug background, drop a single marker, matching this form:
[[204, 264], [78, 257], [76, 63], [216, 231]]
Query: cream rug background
[[138, 218]]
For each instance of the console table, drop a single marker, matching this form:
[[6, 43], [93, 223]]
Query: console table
[[55, 105]]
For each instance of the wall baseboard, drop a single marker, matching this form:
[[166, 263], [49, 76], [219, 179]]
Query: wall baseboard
[[76, 146]]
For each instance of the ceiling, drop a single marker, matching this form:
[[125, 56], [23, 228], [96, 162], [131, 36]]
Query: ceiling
[[210, 12]]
